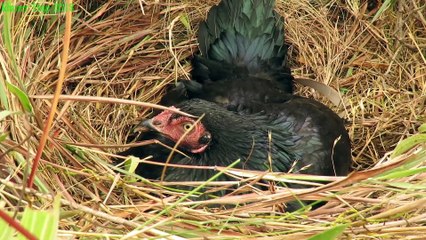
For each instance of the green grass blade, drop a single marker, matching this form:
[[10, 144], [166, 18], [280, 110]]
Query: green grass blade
[[6, 231], [4, 101], [386, 4], [408, 144], [22, 96], [7, 38], [422, 128], [184, 19], [3, 136], [330, 234], [42, 223]]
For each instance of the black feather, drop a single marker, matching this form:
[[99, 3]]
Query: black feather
[[241, 48]]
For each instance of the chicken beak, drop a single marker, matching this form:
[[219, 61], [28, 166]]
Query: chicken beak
[[144, 126]]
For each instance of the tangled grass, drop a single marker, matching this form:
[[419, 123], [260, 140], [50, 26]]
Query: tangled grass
[[373, 52]]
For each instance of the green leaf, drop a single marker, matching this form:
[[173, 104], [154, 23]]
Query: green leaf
[[422, 128], [21, 95], [3, 136], [7, 39], [7, 19], [407, 169], [185, 21], [404, 185], [344, 90], [350, 72], [6, 230], [42, 223], [131, 164], [401, 172], [408, 144], [331, 233], [3, 96]]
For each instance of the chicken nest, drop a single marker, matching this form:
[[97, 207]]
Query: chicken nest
[[126, 53]]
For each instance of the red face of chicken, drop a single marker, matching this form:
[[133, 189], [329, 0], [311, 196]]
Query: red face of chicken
[[194, 136]]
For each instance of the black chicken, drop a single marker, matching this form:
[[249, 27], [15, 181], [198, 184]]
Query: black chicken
[[305, 136], [247, 97], [241, 64]]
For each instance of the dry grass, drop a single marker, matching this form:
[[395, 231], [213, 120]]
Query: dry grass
[[122, 51]]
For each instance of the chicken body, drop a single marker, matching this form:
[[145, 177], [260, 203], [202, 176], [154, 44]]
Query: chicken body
[[243, 88]]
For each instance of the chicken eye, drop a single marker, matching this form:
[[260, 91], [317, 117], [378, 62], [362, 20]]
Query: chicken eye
[[187, 126]]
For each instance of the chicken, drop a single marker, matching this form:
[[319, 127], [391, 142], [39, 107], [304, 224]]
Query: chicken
[[245, 95], [241, 63], [306, 137]]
